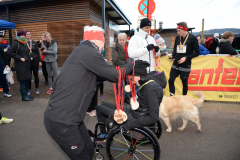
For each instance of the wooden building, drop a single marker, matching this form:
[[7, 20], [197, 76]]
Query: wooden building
[[64, 19]]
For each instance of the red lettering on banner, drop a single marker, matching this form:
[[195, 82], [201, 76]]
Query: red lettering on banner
[[225, 76], [194, 74], [229, 76], [218, 71], [238, 80], [207, 71]]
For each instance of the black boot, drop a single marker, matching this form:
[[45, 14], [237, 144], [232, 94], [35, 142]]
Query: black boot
[[26, 89], [24, 95]]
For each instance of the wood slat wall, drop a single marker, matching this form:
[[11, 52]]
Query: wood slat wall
[[39, 11], [68, 35], [96, 12]]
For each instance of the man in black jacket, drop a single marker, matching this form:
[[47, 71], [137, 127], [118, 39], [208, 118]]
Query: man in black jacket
[[185, 48], [72, 94]]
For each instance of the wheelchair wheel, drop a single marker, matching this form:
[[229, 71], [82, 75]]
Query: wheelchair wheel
[[119, 147], [156, 129]]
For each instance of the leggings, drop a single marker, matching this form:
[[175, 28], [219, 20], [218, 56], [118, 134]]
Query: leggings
[[44, 70], [51, 66], [94, 101], [101, 87], [183, 76], [34, 69]]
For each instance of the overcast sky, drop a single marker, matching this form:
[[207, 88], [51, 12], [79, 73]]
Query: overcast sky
[[216, 13]]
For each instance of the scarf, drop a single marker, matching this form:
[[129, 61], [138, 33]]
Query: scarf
[[126, 51], [21, 40]]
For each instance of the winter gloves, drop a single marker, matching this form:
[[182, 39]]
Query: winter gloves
[[156, 48], [151, 46]]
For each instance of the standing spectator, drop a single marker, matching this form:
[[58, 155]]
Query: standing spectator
[[35, 63], [3, 64], [73, 92], [226, 44], [119, 56], [212, 43], [20, 53], [141, 45], [50, 52], [161, 43], [185, 48], [5, 47], [44, 69], [4, 119], [202, 50], [131, 34]]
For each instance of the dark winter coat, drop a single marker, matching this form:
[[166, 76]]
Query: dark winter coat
[[35, 52], [212, 48], [22, 68], [225, 47], [191, 52], [76, 84], [3, 59], [149, 97], [118, 54]]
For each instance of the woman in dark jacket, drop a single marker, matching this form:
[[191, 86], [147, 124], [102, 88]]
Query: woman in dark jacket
[[19, 52], [225, 46], [35, 62], [3, 64]]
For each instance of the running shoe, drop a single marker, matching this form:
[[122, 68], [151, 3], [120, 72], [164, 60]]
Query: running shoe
[[37, 91], [102, 97], [29, 92], [8, 95], [49, 91], [5, 120]]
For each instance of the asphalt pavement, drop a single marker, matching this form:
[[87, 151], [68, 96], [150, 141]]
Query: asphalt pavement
[[27, 139]]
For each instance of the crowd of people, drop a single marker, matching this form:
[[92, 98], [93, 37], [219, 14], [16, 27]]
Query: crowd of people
[[76, 88]]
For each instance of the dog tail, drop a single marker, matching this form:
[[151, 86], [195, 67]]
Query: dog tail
[[198, 102]]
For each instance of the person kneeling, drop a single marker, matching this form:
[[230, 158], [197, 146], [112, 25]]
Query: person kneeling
[[150, 95]]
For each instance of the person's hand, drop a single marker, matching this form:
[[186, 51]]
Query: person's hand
[[6, 66], [40, 41], [150, 47], [120, 116], [5, 50], [40, 64], [22, 59], [171, 58], [106, 60], [166, 53], [31, 58], [130, 59], [156, 48], [182, 60], [44, 51]]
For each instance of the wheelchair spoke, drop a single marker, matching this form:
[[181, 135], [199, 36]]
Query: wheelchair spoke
[[144, 155], [120, 141], [120, 154]]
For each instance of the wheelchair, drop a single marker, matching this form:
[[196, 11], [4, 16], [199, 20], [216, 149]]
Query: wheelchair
[[138, 143]]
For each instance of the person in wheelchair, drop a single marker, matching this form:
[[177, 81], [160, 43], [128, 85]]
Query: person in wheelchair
[[150, 95]]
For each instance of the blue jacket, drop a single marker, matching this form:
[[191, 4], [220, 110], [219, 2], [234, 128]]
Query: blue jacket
[[203, 50]]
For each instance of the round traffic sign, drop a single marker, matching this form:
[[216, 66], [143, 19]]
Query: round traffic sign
[[143, 7]]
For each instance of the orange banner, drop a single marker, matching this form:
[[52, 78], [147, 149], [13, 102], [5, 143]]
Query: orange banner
[[217, 77]]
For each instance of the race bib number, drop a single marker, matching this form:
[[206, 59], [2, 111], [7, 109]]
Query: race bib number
[[181, 50]]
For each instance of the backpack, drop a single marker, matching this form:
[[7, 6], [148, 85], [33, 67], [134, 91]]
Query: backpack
[[209, 41]]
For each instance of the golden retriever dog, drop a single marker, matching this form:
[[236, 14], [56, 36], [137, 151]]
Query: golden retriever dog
[[182, 106]]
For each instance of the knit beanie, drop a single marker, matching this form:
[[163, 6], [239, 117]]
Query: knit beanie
[[216, 34], [145, 22], [160, 41], [140, 68], [21, 33]]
